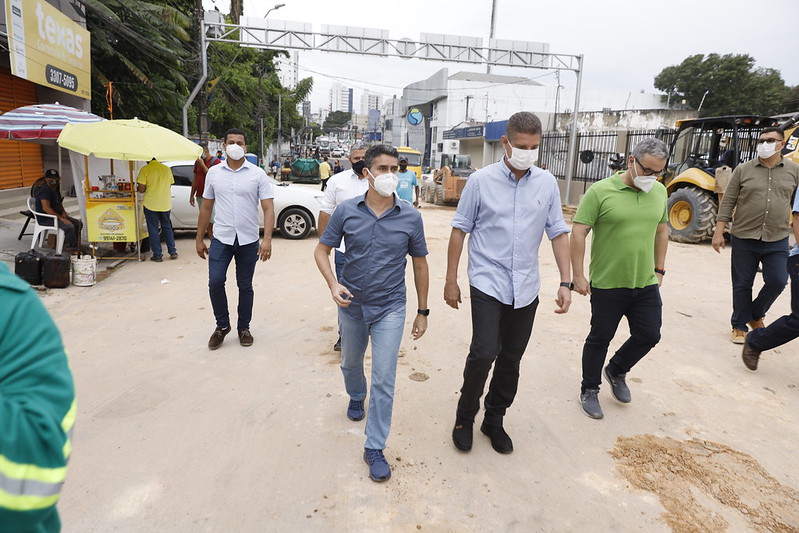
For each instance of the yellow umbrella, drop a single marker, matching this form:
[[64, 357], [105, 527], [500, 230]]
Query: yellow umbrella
[[128, 140]]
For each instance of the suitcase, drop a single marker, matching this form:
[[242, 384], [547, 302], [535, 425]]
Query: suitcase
[[28, 266], [55, 270]]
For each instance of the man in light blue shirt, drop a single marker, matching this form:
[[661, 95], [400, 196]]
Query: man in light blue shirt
[[785, 328], [506, 208], [237, 188], [380, 231], [407, 183]]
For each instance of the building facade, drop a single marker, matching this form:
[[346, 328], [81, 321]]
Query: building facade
[[44, 59]]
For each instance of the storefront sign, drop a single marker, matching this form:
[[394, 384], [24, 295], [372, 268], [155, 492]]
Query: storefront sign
[[48, 48], [464, 133], [111, 221]]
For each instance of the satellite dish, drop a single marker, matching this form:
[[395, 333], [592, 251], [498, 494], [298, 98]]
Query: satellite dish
[[586, 156]]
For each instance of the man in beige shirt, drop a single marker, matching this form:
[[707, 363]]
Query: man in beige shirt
[[760, 193]]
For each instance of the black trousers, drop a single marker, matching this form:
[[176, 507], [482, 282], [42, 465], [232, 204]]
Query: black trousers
[[644, 311], [499, 333]]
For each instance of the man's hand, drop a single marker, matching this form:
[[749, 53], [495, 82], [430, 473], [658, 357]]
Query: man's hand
[[202, 249], [718, 240], [419, 326], [341, 295], [66, 221], [660, 278], [452, 294], [191, 201], [265, 250], [581, 285], [564, 300]]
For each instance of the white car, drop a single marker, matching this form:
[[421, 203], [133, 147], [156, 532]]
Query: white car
[[296, 208]]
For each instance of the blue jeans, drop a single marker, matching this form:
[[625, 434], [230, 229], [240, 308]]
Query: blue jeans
[[156, 219], [219, 257], [644, 311], [747, 255], [785, 328], [386, 335], [339, 264]]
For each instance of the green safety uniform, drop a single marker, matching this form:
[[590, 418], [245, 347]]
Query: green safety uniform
[[37, 410]]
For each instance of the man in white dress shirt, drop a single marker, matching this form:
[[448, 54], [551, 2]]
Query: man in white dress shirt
[[343, 186]]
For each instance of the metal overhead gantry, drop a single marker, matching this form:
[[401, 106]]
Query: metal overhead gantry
[[285, 35]]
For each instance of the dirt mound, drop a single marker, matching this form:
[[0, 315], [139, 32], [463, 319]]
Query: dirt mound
[[706, 486]]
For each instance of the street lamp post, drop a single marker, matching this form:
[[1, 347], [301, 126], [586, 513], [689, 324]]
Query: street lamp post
[[277, 6]]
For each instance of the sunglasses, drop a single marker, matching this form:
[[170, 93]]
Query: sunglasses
[[770, 140]]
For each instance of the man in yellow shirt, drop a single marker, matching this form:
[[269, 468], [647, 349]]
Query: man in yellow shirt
[[325, 170], [155, 181]]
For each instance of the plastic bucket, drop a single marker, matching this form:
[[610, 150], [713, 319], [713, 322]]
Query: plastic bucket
[[84, 271]]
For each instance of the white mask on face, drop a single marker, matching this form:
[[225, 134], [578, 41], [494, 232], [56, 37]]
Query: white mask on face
[[645, 183], [522, 159], [385, 184], [234, 151], [766, 150]]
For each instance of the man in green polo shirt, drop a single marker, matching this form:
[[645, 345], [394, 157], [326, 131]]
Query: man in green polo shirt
[[627, 213]]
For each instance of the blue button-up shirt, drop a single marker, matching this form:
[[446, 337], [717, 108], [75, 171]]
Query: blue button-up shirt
[[506, 220], [237, 196], [374, 271]]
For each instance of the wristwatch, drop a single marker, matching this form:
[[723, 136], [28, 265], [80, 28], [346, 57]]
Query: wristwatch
[[569, 285], [423, 312], [660, 271]]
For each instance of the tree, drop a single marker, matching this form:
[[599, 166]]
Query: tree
[[732, 82], [336, 120], [248, 89], [791, 102], [143, 48]]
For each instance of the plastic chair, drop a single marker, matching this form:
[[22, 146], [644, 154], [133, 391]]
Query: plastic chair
[[40, 232]]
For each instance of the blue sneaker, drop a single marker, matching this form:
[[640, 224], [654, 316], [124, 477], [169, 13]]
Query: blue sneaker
[[378, 466], [355, 410]]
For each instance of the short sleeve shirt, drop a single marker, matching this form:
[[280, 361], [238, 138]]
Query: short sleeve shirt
[[377, 248], [159, 179], [624, 221], [46, 193], [237, 196], [324, 170], [407, 181]]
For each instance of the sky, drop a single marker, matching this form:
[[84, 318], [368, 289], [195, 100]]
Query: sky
[[625, 43]]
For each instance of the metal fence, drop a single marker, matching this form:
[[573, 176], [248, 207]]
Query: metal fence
[[593, 151]]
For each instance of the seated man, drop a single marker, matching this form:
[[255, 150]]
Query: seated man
[[49, 200]]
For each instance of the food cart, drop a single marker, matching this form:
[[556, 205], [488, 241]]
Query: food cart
[[113, 208]]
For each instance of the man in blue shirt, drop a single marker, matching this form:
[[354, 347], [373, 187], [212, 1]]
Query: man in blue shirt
[[785, 328], [379, 231], [407, 183], [506, 208]]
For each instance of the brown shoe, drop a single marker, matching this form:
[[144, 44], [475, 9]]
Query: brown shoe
[[738, 336], [750, 356], [217, 337], [245, 338], [755, 324]]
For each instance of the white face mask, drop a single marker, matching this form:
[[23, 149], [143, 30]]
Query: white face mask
[[234, 151], [522, 159], [645, 183], [385, 184], [766, 150]]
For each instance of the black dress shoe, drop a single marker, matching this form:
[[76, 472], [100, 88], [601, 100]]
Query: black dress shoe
[[462, 435], [500, 440], [217, 337], [750, 356]]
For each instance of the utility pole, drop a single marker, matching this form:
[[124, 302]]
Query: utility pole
[[493, 28], [468, 97], [202, 123]]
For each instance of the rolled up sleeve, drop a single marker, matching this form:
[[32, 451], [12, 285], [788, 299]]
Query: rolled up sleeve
[[468, 207], [334, 231], [329, 199], [555, 224]]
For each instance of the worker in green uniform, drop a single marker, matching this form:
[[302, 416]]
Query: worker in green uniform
[[37, 411]]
